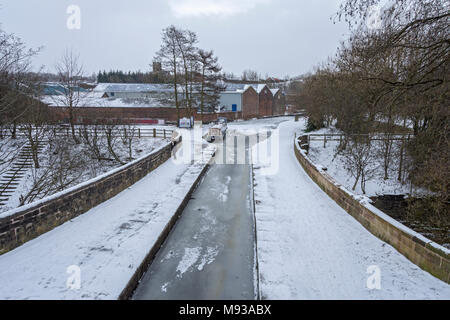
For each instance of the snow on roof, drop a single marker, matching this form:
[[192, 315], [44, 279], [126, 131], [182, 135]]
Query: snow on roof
[[260, 88], [95, 99], [101, 87], [134, 87], [248, 86], [274, 91], [232, 92], [163, 87], [236, 86]]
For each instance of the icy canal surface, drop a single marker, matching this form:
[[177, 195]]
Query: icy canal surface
[[210, 253]]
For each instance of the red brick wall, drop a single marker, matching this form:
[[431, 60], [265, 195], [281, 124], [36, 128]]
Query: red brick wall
[[265, 102], [89, 115], [279, 104], [250, 102]]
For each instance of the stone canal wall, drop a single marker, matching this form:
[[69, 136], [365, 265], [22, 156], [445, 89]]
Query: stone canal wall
[[25, 223], [421, 251]]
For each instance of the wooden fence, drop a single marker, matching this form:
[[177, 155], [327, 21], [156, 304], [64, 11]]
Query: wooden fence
[[327, 137]]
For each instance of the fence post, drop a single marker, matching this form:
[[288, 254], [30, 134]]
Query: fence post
[[324, 140], [139, 132], [154, 133], [164, 133]]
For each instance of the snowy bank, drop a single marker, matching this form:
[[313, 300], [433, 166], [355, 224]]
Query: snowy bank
[[22, 224], [311, 248], [94, 255], [425, 253]]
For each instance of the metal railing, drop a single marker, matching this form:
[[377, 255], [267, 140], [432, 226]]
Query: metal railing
[[138, 132]]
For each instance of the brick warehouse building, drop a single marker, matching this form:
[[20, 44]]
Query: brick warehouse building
[[250, 103], [279, 102], [265, 107], [149, 103]]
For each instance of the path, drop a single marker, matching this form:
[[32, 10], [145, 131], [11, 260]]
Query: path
[[310, 248]]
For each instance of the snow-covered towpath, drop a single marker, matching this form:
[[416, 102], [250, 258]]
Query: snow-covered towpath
[[310, 248], [107, 243]]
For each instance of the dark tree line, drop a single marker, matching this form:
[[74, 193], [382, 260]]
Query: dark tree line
[[117, 76]]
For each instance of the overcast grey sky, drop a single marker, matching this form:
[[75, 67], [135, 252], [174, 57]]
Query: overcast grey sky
[[277, 37]]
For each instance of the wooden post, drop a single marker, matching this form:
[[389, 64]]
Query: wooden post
[[139, 132], [164, 133], [154, 133], [324, 140]]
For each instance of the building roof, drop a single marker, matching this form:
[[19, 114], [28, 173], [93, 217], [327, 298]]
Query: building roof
[[235, 86], [274, 91], [134, 87], [261, 88]]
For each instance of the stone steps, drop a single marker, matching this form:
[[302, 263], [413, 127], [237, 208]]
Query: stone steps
[[11, 179]]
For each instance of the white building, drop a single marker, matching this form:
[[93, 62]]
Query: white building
[[230, 101]]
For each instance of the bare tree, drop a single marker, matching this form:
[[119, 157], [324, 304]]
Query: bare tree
[[129, 135], [62, 170], [15, 85], [359, 160], [112, 135], [91, 138], [70, 73], [250, 75]]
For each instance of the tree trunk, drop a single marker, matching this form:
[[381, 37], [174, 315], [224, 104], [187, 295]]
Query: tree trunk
[[202, 92], [356, 181], [175, 83], [14, 130], [72, 125]]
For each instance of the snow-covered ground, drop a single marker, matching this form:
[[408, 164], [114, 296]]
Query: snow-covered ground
[[107, 243], [310, 248], [335, 164], [257, 124], [82, 166]]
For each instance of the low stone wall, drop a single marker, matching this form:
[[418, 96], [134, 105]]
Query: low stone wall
[[421, 251], [25, 223], [133, 283]]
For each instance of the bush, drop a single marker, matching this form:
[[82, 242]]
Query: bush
[[312, 126]]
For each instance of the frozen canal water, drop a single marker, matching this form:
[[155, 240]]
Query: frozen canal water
[[210, 253]]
